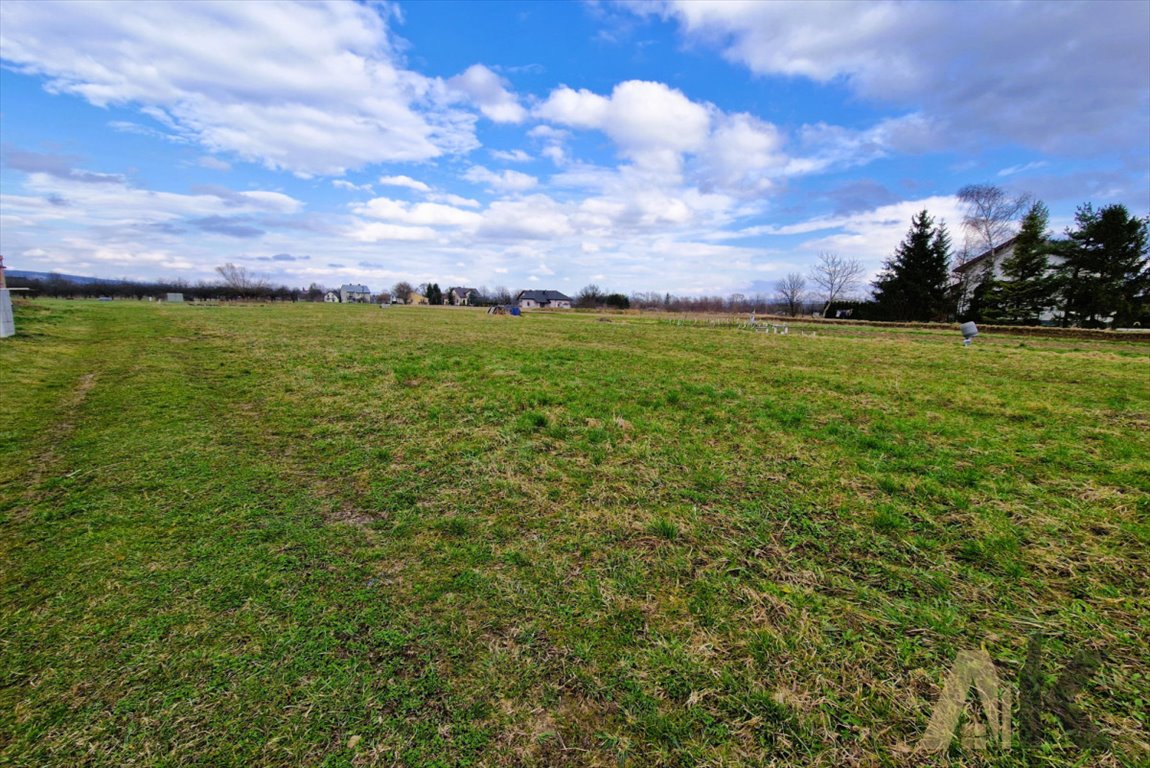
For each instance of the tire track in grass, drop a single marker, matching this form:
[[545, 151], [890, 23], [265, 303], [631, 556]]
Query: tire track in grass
[[126, 613]]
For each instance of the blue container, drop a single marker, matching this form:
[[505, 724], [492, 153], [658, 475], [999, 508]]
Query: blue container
[[515, 311]]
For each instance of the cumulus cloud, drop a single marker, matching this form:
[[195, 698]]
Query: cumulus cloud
[[488, 91], [507, 181], [744, 153], [404, 181], [373, 232], [314, 88], [657, 128], [536, 217], [450, 199], [869, 235], [651, 123], [1007, 69], [511, 156], [423, 214], [349, 186]]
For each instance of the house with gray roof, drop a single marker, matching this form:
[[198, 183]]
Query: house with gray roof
[[353, 293], [543, 300], [462, 297]]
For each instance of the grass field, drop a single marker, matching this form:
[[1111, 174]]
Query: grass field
[[335, 535]]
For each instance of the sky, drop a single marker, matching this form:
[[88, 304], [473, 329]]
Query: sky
[[693, 148]]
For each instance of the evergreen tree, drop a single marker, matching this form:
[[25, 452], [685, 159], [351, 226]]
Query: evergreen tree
[[1106, 273], [913, 283], [1027, 287], [434, 294], [981, 298]]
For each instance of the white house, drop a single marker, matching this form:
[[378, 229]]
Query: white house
[[353, 293], [331, 297], [970, 274], [543, 299], [462, 297]]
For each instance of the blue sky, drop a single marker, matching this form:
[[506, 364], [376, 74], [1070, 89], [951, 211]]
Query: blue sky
[[696, 148]]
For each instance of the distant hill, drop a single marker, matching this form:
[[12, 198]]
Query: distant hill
[[78, 279]]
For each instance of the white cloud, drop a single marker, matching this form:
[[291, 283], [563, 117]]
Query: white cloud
[[581, 109], [373, 232], [555, 154], [404, 181], [657, 128], [547, 133], [344, 184], [270, 201], [423, 214], [313, 88], [870, 236], [488, 91], [1023, 168], [536, 217], [650, 123], [1008, 69], [108, 203], [507, 181], [457, 200], [744, 152], [511, 156]]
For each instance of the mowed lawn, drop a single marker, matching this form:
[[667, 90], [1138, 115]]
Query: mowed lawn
[[339, 535]]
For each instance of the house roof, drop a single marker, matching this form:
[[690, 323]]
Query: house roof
[[987, 254], [542, 296], [354, 288], [462, 291]]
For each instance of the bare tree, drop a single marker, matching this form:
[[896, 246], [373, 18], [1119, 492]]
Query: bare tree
[[240, 279], [989, 214], [402, 291], [988, 219], [792, 290], [835, 276], [590, 297]]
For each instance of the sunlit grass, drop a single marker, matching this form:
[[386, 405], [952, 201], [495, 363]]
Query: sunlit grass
[[246, 535]]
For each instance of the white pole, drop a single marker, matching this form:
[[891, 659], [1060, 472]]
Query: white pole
[[7, 323]]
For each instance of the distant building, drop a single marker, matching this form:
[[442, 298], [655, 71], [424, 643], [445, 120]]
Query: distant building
[[543, 299], [331, 297], [417, 298], [989, 263], [987, 260], [463, 297], [174, 297], [353, 293]]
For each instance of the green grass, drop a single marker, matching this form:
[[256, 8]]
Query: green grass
[[328, 535]]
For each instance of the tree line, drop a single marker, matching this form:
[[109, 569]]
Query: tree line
[[1011, 269], [236, 284]]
